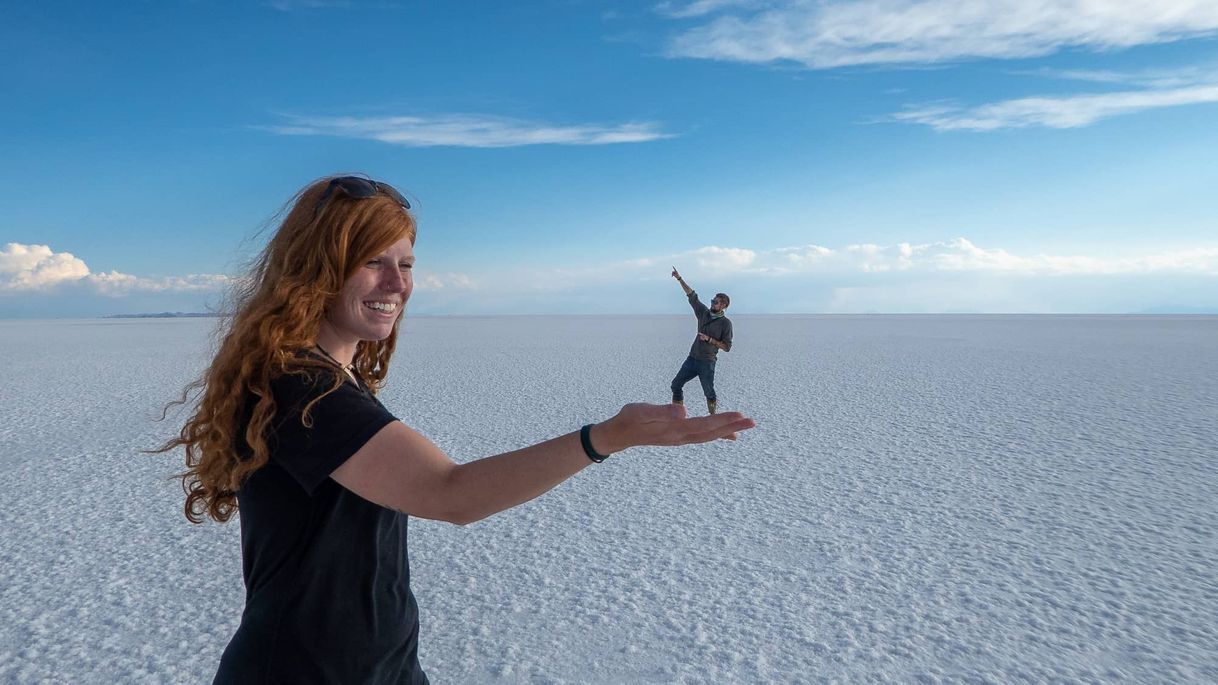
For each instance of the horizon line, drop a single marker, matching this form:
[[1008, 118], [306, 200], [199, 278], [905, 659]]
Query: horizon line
[[1200, 312]]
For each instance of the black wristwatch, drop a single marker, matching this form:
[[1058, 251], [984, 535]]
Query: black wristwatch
[[586, 441]]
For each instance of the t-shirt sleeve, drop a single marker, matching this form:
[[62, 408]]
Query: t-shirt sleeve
[[342, 422], [700, 309]]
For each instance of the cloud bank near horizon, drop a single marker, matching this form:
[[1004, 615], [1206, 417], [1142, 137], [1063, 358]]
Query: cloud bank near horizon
[[951, 256], [38, 267], [947, 275]]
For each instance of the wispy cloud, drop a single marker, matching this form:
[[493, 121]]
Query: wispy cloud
[[1180, 77], [306, 5], [1070, 111], [823, 34], [700, 8], [26, 268], [290, 5], [460, 130], [117, 284]]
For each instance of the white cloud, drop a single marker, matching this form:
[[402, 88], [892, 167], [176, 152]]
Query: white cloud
[[39, 268], [34, 267], [1070, 111], [460, 130], [823, 34], [724, 258]]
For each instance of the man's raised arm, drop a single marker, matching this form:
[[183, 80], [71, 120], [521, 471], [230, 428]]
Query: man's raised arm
[[684, 285]]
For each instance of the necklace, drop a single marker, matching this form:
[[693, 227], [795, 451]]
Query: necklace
[[349, 368]]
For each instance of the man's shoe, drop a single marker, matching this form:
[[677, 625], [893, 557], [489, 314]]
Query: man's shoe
[[711, 406], [680, 402]]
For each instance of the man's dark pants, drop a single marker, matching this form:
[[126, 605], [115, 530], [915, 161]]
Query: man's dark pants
[[704, 370]]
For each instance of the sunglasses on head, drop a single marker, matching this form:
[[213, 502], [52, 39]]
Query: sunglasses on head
[[359, 189]]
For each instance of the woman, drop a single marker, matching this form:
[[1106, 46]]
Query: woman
[[288, 429]]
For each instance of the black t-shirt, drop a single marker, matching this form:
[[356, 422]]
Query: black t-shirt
[[327, 578]]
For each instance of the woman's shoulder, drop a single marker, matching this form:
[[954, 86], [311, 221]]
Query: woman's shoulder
[[319, 396], [308, 383], [305, 380]]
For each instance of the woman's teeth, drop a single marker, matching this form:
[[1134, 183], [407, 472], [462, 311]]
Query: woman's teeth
[[382, 306]]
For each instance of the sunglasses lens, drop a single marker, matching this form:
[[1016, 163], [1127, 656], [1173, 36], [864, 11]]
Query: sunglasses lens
[[359, 189], [401, 200], [393, 193], [356, 187]]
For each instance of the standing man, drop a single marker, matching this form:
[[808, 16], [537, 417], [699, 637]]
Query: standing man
[[714, 334]]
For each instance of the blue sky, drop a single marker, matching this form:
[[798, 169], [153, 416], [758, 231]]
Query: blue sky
[[864, 156]]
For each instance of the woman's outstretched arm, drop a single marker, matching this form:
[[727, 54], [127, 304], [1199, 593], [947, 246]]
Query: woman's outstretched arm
[[400, 469]]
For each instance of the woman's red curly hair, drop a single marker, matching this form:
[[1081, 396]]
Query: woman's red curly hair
[[276, 315]]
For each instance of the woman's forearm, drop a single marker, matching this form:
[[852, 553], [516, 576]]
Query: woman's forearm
[[488, 486], [402, 470]]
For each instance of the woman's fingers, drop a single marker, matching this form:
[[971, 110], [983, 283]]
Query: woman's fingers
[[707, 428], [724, 430], [715, 422]]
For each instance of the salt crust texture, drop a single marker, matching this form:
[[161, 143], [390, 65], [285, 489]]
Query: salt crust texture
[[925, 499]]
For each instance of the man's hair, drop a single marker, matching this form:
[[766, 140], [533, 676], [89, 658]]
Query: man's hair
[[726, 300]]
